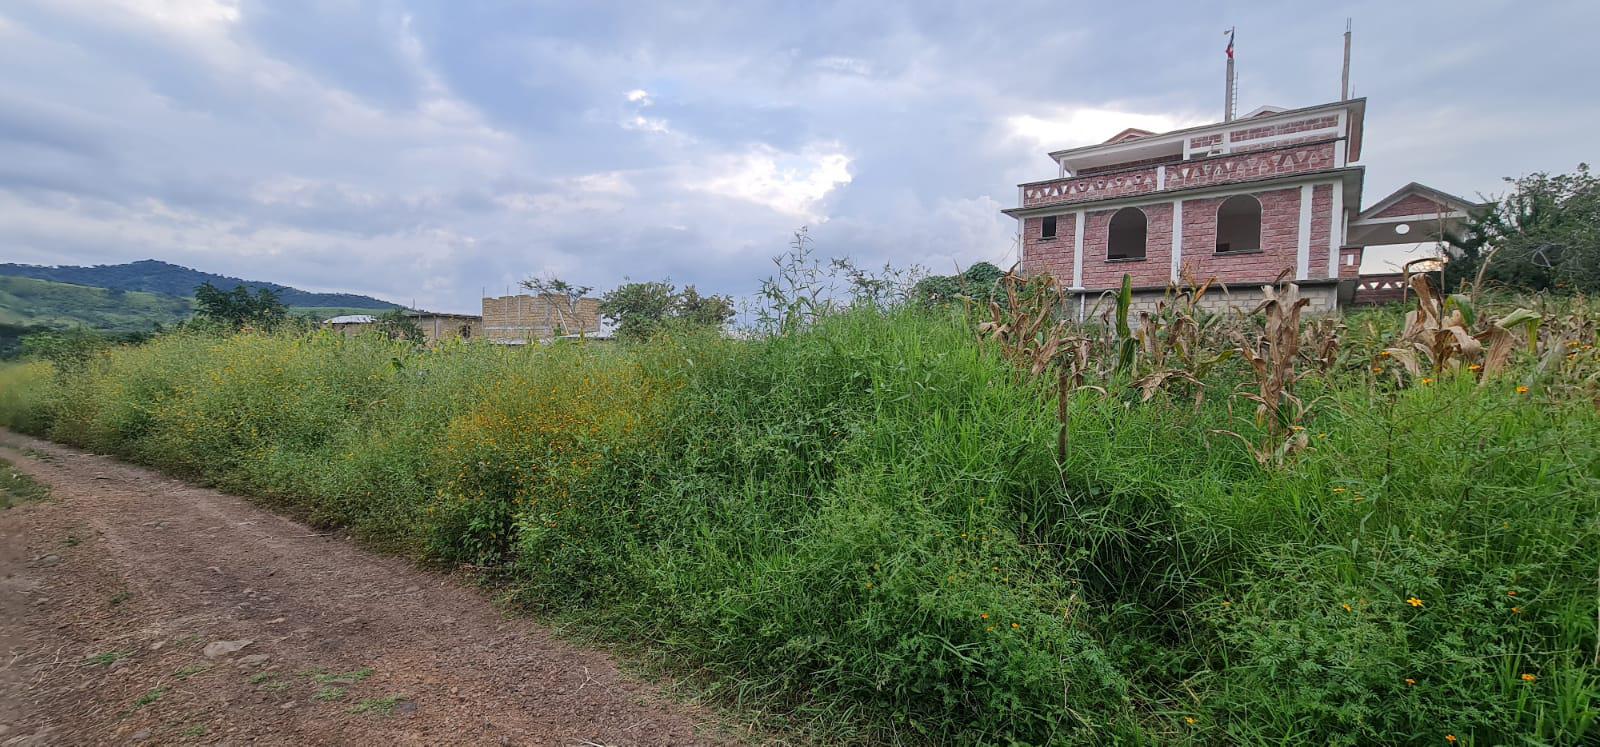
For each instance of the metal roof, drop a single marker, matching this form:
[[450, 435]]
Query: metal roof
[[351, 319]]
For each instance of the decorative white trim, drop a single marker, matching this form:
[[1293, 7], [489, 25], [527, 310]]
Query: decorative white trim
[[1341, 149], [1287, 181], [1417, 218], [1161, 177], [1077, 249], [1335, 229], [1302, 260], [1177, 238]]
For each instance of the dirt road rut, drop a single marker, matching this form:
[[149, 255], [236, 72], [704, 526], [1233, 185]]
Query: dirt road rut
[[138, 609]]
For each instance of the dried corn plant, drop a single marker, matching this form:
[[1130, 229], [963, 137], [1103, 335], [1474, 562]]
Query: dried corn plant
[[1272, 356], [1026, 326], [1448, 334]]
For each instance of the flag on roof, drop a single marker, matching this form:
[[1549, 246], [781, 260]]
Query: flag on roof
[[1230, 44]]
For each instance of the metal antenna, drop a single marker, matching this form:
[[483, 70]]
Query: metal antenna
[[1344, 77]]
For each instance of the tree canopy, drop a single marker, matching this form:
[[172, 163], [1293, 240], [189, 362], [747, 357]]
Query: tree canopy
[[239, 307], [640, 310], [1542, 235]]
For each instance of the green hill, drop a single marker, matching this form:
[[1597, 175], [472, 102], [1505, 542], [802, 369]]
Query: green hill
[[42, 303], [154, 276]]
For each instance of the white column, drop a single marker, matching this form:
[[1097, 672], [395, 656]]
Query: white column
[[1177, 239], [1335, 230], [1302, 263], [1077, 250]]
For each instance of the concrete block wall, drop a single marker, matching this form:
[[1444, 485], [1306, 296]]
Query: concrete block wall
[[532, 318]]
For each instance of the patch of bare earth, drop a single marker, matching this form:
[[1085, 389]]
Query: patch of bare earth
[[135, 608]]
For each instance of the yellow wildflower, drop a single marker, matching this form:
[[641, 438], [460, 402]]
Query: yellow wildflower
[[1410, 682], [1189, 720], [1522, 390], [1529, 677], [1414, 602]]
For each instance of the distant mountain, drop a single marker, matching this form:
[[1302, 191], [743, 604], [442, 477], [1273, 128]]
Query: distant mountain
[[154, 276]]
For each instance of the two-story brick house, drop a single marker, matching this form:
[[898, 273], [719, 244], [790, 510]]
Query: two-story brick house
[[1241, 201]]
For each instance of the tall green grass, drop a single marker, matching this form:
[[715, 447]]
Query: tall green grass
[[863, 529]]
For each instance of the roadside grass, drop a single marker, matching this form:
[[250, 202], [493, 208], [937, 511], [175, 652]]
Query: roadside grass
[[384, 706], [866, 530], [17, 488], [106, 659]]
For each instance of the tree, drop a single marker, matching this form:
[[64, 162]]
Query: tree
[[1543, 235], [397, 324], [564, 296], [238, 308], [640, 310], [978, 282]]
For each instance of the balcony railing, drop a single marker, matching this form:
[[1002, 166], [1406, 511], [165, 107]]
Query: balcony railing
[[1201, 172]]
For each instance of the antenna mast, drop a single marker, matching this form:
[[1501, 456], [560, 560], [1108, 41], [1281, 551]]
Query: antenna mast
[[1344, 77]]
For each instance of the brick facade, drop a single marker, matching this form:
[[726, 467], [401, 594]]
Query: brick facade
[[524, 319], [1412, 205], [1293, 163]]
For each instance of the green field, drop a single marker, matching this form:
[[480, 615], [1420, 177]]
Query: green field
[[890, 526]]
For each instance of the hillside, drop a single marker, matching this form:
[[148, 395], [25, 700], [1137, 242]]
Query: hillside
[[25, 301], [155, 276]]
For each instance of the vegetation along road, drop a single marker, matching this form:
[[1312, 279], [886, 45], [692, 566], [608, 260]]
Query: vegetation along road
[[134, 608]]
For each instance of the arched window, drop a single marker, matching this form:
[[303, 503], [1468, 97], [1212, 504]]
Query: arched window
[[1239, 225], [1126, 234]]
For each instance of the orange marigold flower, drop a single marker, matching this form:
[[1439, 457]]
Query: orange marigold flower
[[1015, 626], [1516, 610], [1522, 390], [1414, 602], [1451, 738], [1529, 677], [1377, 369], [984, 615], [1476, 367], [1383, 354], [1347, 607], [1410, 682], [1425, 382]]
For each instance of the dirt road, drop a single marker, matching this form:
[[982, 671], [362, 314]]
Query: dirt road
[[138, 609]]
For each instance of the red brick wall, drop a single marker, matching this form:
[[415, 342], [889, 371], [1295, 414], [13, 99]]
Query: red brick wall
[[1054, 255], [1350, 262], [1154, 269], [1321, 224], [1280, 230], [1412, 205], [1280, 243], [1083, 188], [1260, 165]]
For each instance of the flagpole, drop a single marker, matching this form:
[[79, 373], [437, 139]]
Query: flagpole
[[1228, 100]]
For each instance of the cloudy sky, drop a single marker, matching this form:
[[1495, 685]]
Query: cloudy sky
[[428, 150]]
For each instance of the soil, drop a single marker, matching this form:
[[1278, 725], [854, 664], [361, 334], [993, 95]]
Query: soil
[[138, 609]]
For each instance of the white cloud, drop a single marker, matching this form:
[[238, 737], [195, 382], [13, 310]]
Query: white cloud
[[1071, 127], [639, 96], [642, 123], [791, 183]]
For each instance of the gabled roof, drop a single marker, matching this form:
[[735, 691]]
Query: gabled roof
[[1450, 202], [1132, 133], [1262, 111]]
